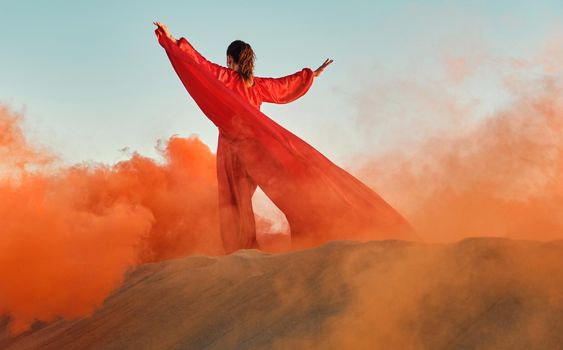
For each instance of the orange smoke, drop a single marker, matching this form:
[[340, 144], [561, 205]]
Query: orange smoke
[[500, 178], [69, 234]]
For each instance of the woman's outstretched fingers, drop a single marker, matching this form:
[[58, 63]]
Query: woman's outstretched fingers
[[322, 67], [161, 26]]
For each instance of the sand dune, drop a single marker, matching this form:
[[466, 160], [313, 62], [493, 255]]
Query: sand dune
[[481, 293]]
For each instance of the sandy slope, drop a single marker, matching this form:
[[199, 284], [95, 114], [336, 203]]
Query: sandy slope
[[478, 293]]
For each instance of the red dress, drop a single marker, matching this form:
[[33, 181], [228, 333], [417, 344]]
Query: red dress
[[320, 200]]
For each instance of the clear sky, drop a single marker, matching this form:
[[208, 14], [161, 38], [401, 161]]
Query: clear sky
[[92, 80]]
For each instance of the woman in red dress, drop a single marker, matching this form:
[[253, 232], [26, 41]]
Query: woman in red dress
[[320, 200]]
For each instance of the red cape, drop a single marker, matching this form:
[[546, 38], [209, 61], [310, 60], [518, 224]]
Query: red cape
[[320, 200]]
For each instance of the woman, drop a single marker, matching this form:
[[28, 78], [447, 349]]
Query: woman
[[320, 200]]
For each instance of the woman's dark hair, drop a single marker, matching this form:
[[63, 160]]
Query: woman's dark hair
[[243, 55]]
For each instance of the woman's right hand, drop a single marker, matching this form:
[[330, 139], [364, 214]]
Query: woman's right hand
[[164, 30], [325, 64]]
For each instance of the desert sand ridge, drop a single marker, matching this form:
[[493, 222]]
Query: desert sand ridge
[[479, 293]]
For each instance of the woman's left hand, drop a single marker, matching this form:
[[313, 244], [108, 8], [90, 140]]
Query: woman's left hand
[[319, 70]]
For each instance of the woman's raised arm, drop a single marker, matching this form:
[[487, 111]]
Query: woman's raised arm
[[291, 87], [165, 38], [285, 89]]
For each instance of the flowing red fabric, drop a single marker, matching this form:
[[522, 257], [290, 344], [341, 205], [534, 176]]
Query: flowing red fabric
[[320, 200]]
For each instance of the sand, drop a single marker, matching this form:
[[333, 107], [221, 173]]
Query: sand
[[480, 293]]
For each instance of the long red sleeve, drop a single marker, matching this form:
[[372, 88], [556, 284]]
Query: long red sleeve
[[220, 72], [285, 89]]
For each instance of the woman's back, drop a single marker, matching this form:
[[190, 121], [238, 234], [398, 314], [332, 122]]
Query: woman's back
[[272, 90]]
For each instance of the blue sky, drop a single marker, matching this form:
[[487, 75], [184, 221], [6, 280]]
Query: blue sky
[[92, 80]]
